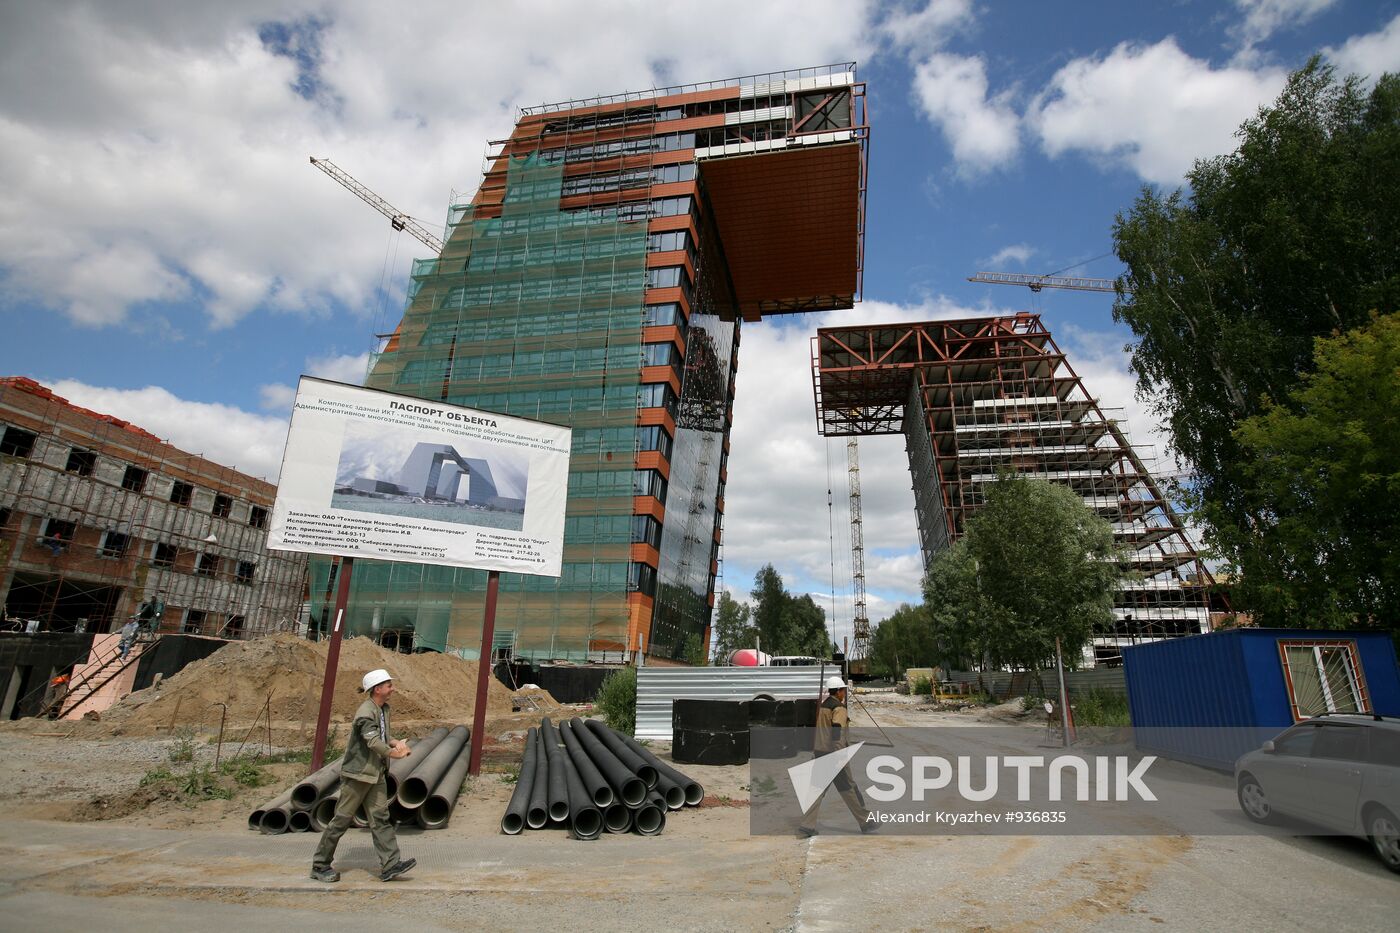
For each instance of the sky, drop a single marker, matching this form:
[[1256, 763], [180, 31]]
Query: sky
[[168, 255]]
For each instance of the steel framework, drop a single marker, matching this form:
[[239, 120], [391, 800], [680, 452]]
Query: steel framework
[[980, 396]]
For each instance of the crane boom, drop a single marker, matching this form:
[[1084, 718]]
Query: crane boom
[[397, 218], [1036, 282]]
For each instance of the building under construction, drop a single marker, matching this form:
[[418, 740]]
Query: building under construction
[[101, 520], [974, 398], [597, 279]]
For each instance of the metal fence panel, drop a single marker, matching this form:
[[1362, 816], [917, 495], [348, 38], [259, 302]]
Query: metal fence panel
[[657, 687]]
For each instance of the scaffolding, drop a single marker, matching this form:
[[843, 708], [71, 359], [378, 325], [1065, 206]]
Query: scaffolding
[[975, 398], [101, 521], [586, 282]]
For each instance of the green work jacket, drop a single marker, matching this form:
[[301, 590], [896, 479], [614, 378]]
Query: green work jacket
[[367, 751]]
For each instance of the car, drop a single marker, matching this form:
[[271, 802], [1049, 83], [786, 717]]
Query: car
[[1339, 771]]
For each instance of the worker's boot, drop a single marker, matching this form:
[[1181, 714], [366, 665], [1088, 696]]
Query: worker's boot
[[398, 868], [324, 873]]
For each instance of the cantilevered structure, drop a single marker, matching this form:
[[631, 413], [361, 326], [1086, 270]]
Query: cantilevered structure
[[977, 397], [598, 278]]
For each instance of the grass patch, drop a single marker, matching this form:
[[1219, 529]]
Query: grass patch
[[182, 748], [1101, 707]]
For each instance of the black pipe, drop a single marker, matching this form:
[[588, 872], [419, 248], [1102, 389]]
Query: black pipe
[[558, 781], [631, 789], [537, 815], [671, 792], [399, 814], [617, 818], [314, 786], [598, 787], [299, 822], [401, 768], [437, 809], [417, 787], [517, 810], [584, 819], [694, 793], [651, 817], [630, 759]]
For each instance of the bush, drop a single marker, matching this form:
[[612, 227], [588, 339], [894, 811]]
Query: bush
[[245, 773], [617, 700], [922, 687], [182, 749], [1030, 704], [1101, 707]]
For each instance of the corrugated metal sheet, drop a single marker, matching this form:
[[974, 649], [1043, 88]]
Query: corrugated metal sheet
[[1004, 684], [1208, 699], [657, 687]]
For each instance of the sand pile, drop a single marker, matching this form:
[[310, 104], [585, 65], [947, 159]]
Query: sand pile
[[289, 669]]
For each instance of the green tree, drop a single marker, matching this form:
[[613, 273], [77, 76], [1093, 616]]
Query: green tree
[[1294, 235], [1034, 564], [804, 626], [902, 641], [1327, 553], [769, 601], [733, 629]]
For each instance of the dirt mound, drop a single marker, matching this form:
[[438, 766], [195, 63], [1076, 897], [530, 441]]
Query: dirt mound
[[288, 670]]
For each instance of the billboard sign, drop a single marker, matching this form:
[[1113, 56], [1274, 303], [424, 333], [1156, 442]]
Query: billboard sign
[[374, 474]]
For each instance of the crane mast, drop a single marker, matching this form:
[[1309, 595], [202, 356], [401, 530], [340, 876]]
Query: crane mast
[[860, 642], [397, 218], [1036, 282]]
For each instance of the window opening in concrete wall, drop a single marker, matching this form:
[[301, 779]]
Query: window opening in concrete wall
[[257, 517], [208, 565], [17, 442], [58, 534], [223, 505], [164, 555], [246, 569], [194, 621], [114, 544], [181, 493], [81, 461], [134, 479]]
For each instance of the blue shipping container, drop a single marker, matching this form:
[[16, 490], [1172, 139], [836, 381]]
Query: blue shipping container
[[1208, 699]]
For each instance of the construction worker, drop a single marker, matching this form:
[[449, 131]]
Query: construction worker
[[128, 638], [367, 754], [833, 723]]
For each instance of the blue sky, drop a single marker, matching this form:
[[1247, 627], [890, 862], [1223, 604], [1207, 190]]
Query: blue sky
[[168, 255]]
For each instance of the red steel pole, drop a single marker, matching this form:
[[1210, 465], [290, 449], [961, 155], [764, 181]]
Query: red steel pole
[[484, 672], [323, 719]]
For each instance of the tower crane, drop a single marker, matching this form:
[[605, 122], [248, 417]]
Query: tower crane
[[860, 641], [397, 218], [1036, 282]]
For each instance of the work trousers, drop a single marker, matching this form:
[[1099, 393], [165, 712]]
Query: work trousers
[[849, 793], [375, 799]]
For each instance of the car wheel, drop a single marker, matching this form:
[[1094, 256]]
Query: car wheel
[[1383, 829], [1253, 801]]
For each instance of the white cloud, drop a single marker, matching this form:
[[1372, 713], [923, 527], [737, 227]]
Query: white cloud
[[1262, 18], [1370, 55], [929, 27], [347, 368], [224, 434], [1152, 108], [1017, 253], [982, 131], [156, 152]]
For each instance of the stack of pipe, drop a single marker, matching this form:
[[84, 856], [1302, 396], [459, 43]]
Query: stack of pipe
[[591, 779], [422, 789]]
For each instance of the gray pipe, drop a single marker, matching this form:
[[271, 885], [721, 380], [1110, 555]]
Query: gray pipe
[[558, 780], [299, 822], [517, 811], [617, 818], [537, 816], [417, 787], [437, 809], [401, 768], [275, 814], [361, 819], [630, 759], [694, 793], [398, 813], [314, 786], [593, 780], [324, 811], [631, 789], [651, 818], [584, 819]]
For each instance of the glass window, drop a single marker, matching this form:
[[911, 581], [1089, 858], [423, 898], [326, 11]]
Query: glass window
[[1297, 743], [1347, 743], [181, 493], [1385, 746], [1324, 677], [17, 442]]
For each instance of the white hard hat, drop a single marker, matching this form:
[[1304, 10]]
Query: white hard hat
[[834, 682], [374, 679]]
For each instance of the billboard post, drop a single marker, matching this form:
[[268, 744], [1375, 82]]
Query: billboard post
[[484, 672], [323, 718]]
